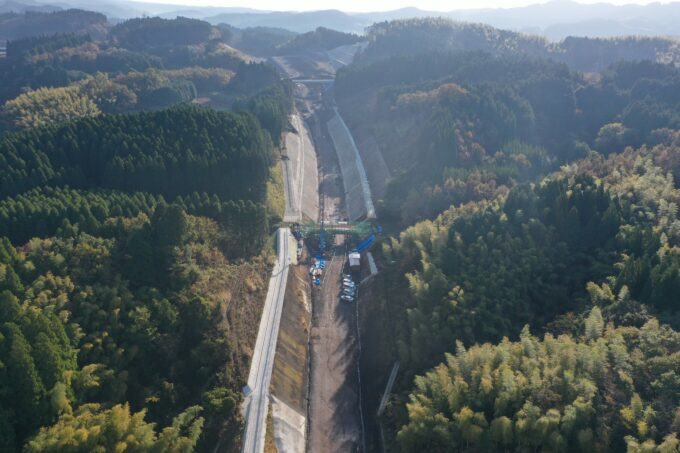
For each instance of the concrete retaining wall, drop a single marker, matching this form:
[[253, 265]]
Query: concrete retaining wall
[[357, 190]]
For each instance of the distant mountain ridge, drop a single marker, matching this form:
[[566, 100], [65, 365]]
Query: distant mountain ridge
[[12, 6], [34, 23], [560, 18], [555, 20]]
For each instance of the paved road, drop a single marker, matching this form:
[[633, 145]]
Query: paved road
[[256, 404]]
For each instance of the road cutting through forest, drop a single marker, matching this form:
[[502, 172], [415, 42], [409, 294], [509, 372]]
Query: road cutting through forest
[[332, 420]]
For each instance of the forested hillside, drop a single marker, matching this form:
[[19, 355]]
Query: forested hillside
[[156, 32], [157, 152], [140, 65], [135, 231], [134, 234], [531, 298], [543, 115], [258, 41], [601, 233], [32, 23], [529, 265], [317, 40], [404, 37]]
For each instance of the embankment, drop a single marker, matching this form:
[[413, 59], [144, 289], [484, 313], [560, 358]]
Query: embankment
[[357, 190], [291, 371]]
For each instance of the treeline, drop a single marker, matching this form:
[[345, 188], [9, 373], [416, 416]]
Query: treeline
[[172, 152], [143, 64], [155, 31], [631, 101], [272, 107], [122, 86], [35, 45], [269, 41], [318, 40], [446, 103], [257, 41], [212, 164], [66, 65], [62, 211], [47, 60], [426, 35], [406, 72], [494, 268], [42, 212], [46, 106], [152, 89], [178, 42], [33, 23]]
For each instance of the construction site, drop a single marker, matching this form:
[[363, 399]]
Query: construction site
[[306, 397]]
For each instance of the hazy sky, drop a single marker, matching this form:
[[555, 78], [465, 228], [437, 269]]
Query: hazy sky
[[375, 5]]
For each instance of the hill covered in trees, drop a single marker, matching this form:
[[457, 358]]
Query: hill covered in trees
[[34, 23], [543, 115], [514, 396], [135, 234], [409, 36], [588, 257], [156, 152], [528, 278], [531, 294], [317, 40], [129, 241], [258, 41], [141, 64], [157, 32]]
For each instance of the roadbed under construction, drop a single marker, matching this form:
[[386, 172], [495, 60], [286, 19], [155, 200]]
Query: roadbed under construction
[[331, 416], [300, 176], [334, 414], [334, 405]]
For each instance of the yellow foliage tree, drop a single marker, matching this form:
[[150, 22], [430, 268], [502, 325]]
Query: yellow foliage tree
[[48, 105]]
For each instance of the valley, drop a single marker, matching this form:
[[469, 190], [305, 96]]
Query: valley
[[331, 419], [426, 236]]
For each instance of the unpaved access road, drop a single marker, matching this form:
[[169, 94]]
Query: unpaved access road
[[334, 405], [333, 414]]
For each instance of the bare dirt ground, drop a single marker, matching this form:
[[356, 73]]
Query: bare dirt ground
[[333, 415], [333, 411]]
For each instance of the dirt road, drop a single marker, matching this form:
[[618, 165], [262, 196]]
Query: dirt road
[[333, 411], [333, 416]]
